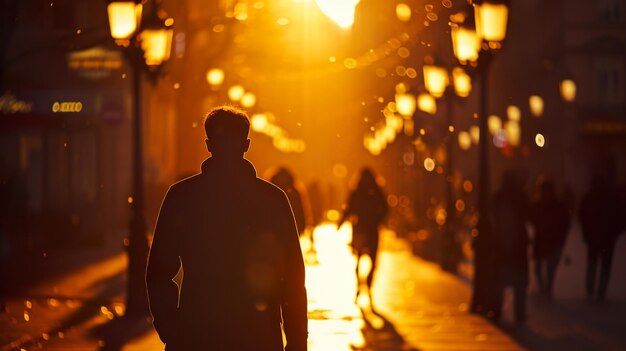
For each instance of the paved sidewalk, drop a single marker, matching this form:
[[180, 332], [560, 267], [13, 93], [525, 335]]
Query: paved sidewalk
[[418, 307]]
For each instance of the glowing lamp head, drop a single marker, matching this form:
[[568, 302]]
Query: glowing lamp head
[[124, 18], [427, 103], [568, 90], [156, 37], [491, 19], [462, 82], [156, 44], [435, 80], [465, 40], [406, 104]]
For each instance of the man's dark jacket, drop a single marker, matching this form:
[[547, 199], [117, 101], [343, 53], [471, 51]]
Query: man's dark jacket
[[236, 239]]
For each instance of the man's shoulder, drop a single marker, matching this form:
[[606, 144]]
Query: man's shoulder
[[191, 183], [268, 188]]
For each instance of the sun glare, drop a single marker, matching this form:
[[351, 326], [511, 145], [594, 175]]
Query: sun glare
[[340, 11]]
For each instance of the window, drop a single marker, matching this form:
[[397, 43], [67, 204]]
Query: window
[[609, 81]]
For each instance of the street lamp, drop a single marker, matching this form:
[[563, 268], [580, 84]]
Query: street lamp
[[462, 82], [491, 23], [124, 19], [465, 41], [147, 49], [436, 79], [437, 82], [491, 20]]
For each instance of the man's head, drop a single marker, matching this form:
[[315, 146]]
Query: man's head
[[227, 130]]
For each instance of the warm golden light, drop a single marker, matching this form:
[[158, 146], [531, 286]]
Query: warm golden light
[[258, 122], [409, 127], [494, 123], [540, 140], [215, 76], [513, 113], [536, 105], [394, 122], [465, 140], [403, 12], [406, 104], [468, 186], [236, 92], [124, 18], [332, 215], [156, 44], [427, 103], [462, 82], [513, 132], [248, 100], [429, 164], [568, 90], [389, 133], [436, 80], [491, 20], [465, 43], [475, 134], [339, 11]]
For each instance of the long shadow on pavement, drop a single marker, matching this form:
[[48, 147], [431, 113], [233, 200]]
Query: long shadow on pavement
[[105, 290], [119, 331], [571, 325], [380, 334]]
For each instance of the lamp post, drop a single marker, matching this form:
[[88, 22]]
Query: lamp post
[[437, 83], [488, 34], [146, 49]]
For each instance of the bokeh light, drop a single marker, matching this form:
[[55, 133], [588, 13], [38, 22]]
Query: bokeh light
[[536, 105], [215, 76], [540, 140]]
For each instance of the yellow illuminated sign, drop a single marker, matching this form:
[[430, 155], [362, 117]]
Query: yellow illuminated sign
[[67, 106], [9, 104]]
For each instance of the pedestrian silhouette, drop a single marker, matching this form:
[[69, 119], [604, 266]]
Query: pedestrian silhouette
[[511, 212], [234, 236], [284, 179], [366, 209], [551, 219], [601, 223], [316, 200]]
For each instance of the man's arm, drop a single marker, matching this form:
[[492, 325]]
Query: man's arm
[[163, 264], [294, 304]]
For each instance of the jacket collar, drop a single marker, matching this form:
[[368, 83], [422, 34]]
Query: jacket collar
[[237, 168]]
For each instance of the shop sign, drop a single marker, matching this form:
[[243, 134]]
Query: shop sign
[[94, 63], [67, 106], [10, 104]]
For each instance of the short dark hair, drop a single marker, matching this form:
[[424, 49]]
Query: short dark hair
[[227, 120]]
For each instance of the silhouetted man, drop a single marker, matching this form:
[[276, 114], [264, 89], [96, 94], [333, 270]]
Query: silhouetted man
[[511, 212], [284, 179], [234, 236], [551, 219], [601, 221]]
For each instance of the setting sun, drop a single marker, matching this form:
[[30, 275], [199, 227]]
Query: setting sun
[[340, 11]]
